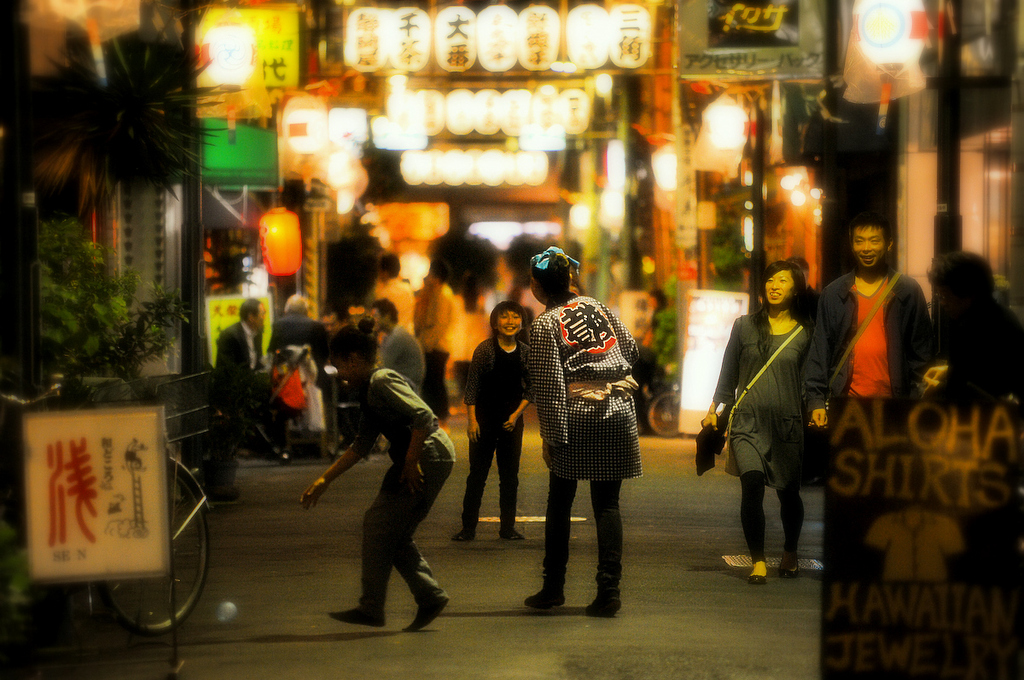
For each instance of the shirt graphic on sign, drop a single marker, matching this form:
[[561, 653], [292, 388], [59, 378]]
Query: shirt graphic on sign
[[916, 544]]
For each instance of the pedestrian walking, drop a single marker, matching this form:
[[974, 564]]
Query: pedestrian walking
[[422, 457], [497, 389], [984, 341], [873, 335], [580, 371], [761, 384], [434, 313]]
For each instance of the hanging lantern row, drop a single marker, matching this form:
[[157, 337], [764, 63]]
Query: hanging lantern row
[[474, 167], [281, 242], [497, 38], [489, 112]]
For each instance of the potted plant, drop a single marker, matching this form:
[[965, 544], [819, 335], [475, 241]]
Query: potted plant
[[239, 403]]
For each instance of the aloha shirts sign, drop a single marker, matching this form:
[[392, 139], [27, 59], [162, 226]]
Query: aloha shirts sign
[[921, 528]]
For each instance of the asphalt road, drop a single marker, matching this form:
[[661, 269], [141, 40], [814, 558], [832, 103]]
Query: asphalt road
[[686, 614]]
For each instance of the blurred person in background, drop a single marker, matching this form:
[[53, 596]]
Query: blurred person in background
[[241, 343], [984, 347], [435, 307], [469, 328], [399, 349], [390, 286]]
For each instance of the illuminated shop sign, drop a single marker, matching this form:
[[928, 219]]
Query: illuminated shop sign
[[497, 38], [277, 41], [474, 167], [751, 39]]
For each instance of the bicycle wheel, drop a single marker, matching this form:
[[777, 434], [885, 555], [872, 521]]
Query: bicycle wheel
[[143, 606], [663, 414]]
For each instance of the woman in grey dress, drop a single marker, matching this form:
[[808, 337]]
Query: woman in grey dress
[[581, 359], [766, 436]]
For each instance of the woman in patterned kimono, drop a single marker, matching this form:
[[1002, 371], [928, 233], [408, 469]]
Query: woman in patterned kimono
[[580, 367], [766, 437]]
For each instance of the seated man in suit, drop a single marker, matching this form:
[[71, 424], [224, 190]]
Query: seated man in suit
[[241, 343]]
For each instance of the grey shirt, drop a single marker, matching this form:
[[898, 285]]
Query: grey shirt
[[400, 351]]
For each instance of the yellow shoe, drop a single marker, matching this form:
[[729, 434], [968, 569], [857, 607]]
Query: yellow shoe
[[759, 575]]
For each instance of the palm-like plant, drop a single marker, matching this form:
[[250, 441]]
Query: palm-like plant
[[133, 127]]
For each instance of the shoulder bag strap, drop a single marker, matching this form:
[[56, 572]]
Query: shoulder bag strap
[[860, 330], [764, 368]]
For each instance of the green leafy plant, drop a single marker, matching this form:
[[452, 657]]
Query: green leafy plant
[[93, 324], [133, 127], [15, 596], [239, 401]]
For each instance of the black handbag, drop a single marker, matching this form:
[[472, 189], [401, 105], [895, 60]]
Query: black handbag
[[710, 442]]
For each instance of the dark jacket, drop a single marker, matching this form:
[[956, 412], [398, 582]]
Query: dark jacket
[[908, 334], [233, 349], [986, 354], [299, 329]]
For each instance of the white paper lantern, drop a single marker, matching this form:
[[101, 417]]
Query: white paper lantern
[[455, 38], [367, 42], [304, 124], [432, 104], [497, 37], [574, 111], [414, 167], [474, 178], [540, 37], [517, 105], [456, 167], [890, 31], [492, 165], [586, 35], [629, 35], [435, 163], [544, 108], [459, 112], [229, 52], [489, 111], [410, 46], [726, 123], [664, 164]]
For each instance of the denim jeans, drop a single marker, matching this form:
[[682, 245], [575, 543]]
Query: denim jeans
[[604, 497], [388, 526], [494, 441]]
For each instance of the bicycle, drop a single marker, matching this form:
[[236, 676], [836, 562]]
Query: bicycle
[[154, 606], [663, 412]]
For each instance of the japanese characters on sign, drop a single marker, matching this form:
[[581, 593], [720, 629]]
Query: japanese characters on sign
[[277, 41], [921, 530], [96, 495], [498, 38], [751, 38]]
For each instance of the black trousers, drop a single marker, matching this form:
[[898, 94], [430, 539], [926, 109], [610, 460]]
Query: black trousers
[[494, 442], [604, 497], [752, 514], [435, 391]]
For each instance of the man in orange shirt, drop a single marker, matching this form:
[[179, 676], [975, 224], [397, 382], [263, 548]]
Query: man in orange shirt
[[892, 350]]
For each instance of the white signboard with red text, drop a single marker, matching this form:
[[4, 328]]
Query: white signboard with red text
[[96, 494]]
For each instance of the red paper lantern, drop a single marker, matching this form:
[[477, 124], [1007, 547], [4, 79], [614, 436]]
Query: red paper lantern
[[281, 241]]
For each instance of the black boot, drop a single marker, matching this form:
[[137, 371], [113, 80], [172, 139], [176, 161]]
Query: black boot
[[606, 604], [551, 594]]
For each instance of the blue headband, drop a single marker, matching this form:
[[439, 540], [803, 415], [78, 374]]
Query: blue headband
[[542, 260]]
